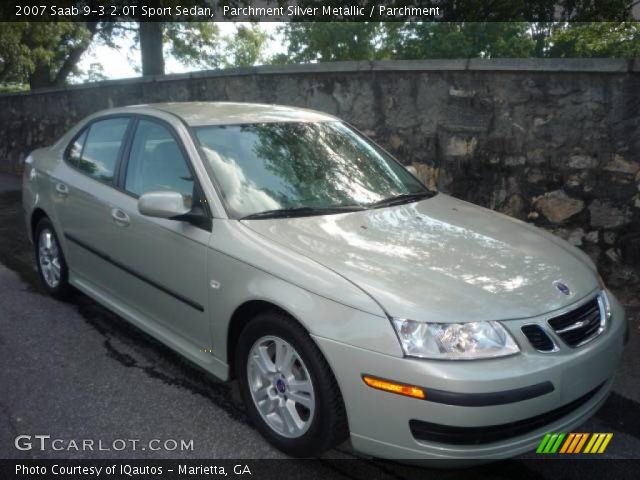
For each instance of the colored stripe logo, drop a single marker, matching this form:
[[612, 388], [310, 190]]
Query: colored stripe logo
[[574, 443]]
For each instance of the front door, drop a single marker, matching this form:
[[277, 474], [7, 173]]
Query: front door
[[164, 261]]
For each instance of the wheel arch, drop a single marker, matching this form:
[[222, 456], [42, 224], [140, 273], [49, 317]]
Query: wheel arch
[[337, 428], [241, 316], [37, 215]]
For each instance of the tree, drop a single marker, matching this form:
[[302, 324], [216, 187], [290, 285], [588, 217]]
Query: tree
[[13, 54], [461, 40], [322, 42], [46, 54], [488, 30], [332, 41], [195, 43], [151, 42], [245, 48], [602, 39], [199, 44], [43, 54]]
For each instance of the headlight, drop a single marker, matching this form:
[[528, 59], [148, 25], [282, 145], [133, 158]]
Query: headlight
[[454, 341], [605, 306]]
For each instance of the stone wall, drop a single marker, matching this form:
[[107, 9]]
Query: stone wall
[[555, 142]]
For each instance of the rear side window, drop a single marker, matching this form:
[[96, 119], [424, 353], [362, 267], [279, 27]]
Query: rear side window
[[74, 154], [156, 163], [95, 152]]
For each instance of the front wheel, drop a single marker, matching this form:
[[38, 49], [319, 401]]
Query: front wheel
[[288, 388]]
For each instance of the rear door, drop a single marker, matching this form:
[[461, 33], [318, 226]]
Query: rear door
[[164, 261], [82, 197]]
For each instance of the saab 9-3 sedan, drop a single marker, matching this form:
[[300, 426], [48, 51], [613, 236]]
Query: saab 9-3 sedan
[[280, 247]]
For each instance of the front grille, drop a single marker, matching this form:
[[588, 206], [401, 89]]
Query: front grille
[[432, 432], [538, 338], [580, 325]]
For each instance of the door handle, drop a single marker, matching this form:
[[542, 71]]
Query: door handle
[[62, 190], [120, 217]]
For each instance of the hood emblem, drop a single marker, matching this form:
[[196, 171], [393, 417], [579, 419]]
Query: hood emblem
[[562, 288]]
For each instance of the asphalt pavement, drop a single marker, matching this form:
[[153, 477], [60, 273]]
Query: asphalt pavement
[[73, 370], [9, 182]]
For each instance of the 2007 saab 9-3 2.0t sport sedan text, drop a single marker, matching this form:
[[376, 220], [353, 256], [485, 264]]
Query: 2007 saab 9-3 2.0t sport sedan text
[[281, 247]]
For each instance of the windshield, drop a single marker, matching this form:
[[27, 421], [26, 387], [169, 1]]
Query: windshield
[[269, 167]]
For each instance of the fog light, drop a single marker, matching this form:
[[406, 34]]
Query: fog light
[[393, 387]]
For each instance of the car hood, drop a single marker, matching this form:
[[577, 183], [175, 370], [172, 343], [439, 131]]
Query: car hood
[[441, 259]]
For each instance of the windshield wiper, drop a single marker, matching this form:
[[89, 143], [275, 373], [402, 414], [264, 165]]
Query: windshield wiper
[[302, 212], [400, 199]]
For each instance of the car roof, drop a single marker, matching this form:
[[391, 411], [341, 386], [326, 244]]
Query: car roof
[[229, 113]]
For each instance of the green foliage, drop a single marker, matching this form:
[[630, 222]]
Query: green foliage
[[332, 41], [194, 43], [14, 56], [462, 40], [40, 49], [322, 42], [46, 54], [13, 87], [43, 54], [245, 48], [199, 44], [602, 39]]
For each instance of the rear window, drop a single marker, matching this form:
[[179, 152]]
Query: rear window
[[95, 152]]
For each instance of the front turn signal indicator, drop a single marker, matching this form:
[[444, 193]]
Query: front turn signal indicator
[[393, 387]]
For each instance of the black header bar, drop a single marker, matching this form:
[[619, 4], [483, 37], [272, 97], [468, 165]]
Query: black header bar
[[321, 10]]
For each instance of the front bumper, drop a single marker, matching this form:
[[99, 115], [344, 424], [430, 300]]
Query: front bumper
[[380, 421]]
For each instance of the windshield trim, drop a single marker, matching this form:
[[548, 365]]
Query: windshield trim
[[218, 188], [303, 212], [210, 173]]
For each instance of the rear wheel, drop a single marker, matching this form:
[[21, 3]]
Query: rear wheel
[[52, 267], [288, 388]]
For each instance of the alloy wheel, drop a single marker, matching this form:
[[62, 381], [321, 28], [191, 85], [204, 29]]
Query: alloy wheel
[[49, 258], [281, 386]]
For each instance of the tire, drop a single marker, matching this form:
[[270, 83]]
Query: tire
[[52, 266], [324, 417]]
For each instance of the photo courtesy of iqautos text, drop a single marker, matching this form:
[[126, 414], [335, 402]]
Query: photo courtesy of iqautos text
[[298, 239]]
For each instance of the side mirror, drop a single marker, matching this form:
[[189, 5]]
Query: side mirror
[[162, 205], [412, 170], [170, 205]]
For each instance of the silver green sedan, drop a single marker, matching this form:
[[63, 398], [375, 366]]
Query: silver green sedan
[[281, 247]]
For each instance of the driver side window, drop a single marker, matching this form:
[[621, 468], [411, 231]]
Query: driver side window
[[156, 163]]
